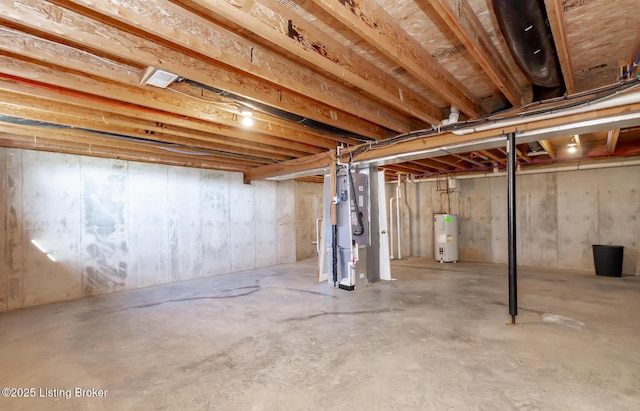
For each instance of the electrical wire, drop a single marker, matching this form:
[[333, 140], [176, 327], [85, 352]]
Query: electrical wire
[[278, 113]]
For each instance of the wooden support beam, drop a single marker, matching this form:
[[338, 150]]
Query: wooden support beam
[[519, 154], [186, 112], [462, 20], [45, 50], [61, 140], [311, 179], [51, 111], [390, 174], [559, 31], [578, 145], [283, 28], [469, 160], [207, 133], [94, 150], [317, 161], [522, 155], [454, 164], [118, 145], [612, 140], [167, 22], [431, 164], [494, 157], [104, 40], [374, 25], [442, 140], [408, 168], [262, 122], [62, 55], [548, 147]]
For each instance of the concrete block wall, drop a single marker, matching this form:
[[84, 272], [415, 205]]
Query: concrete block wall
[[115, 225], [559, 216]]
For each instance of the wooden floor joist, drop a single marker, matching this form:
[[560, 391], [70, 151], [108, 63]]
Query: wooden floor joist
[[318, 161], [201, 37], [204, 130], [559, 30], [444, 139], [281, 27], [548, 147], [371, 23], [432, 165], [469, 160], [124, 45], [56, 113], [63, 140], [500, 160], [163, 101], [361, 77], [58, 54], [612, 140], [461, 19]]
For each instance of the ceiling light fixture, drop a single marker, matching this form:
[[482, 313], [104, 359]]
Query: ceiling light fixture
[[572, 146], [247, 115]]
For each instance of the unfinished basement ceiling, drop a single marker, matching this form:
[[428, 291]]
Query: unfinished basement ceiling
[[315, 73]]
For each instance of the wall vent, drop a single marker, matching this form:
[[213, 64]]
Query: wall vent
[[158, 78]]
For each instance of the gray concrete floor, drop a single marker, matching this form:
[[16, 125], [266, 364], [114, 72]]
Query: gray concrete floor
[[272, 339]]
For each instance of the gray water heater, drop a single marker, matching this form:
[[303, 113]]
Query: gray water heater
[[445, 237]]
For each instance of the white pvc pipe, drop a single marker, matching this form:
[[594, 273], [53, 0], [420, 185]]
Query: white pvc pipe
[[620, 100], [590, 166], [454, 115], [391, 227], [318, 220]]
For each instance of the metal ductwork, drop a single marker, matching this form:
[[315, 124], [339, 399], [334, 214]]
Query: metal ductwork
[[525, 27]]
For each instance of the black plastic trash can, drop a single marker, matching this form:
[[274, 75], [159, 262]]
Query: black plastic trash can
[[608, 260]]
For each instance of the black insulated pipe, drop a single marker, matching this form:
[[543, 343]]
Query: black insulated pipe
[[525, 27], [276, 112], [511, 223]]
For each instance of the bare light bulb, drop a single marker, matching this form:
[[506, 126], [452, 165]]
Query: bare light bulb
[[572, 149], [247, 121]]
